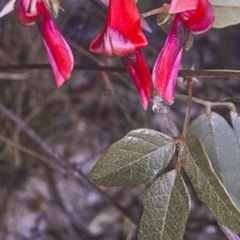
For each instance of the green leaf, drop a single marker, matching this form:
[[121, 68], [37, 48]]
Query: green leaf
[[227, 12], [166, 207], [222, 148], [208, 187], [236, 124], [136, 158]]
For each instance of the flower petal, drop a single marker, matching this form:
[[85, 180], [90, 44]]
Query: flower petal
[[58, 76], [166, 67], [21, 12], [60, 54], [145, 26], [7, 8], [177, 6], [200, 20], [169, 93], [139, 72], [122, 34]]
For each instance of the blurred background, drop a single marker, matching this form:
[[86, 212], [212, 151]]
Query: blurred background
[[81, 120]]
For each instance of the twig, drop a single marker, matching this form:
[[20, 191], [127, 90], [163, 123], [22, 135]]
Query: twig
[[189, 105], [212, 73], [230, 105], [48, 66], [51, 162], [62, 163], [152, 12], [185, 73]]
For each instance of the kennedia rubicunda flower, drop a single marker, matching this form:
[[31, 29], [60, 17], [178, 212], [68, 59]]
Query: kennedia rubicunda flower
[[195, 16], [122, 37], [29, 12]]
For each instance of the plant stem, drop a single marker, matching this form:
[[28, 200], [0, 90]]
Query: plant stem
[[152, 12], [185, 73], [230, 105], [211, 73], [189, 105], [159, 106]]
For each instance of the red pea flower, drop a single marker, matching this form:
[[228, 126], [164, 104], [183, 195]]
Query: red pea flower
[[122, 34], [196, 16], [29, 12], [122, 37], [167, 64]]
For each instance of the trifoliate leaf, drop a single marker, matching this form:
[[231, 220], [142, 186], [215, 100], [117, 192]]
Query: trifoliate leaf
[[222, 148], [136, 158], [207, 185], [235, 119], [166, 206], [227, 12]]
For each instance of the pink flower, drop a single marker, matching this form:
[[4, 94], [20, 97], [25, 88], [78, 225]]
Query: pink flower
[[122, 37], [196, 16], [60, 56]]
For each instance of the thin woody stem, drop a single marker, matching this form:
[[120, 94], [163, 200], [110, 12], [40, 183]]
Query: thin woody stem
[[230, 105], [185, 73], [189, 105], [211, 73], [152, 12]]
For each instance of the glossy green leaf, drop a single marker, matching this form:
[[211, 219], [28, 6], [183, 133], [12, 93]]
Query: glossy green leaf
[[227, 12], [136, 158], [236, 124], [222, 148], [166, 206], [207, 185]]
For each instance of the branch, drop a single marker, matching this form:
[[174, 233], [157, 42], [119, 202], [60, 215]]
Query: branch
[[48, 66], [61, 162], [211, 73], [208, 104], [185, 73], [189, 105]]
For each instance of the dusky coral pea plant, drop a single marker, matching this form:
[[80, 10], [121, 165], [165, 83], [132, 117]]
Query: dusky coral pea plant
[[207, 150]]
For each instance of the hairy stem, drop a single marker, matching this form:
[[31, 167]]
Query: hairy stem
[[159, 106], [189, 105], [230, 105]]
